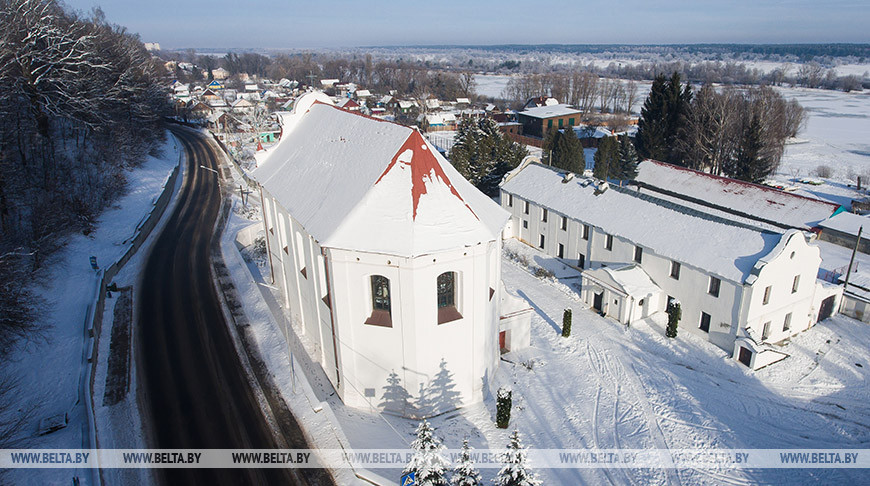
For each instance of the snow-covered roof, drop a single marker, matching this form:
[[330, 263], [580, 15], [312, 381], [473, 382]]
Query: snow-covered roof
[[465, 101], [359, 183], [440, 118], [672, 231], [848, 223], [589, 131], [406, 104], [347, 103], [549, 111], [630, 279], [753, 200], [362, 93]]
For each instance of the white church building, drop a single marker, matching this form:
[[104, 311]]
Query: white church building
[[389, 260], [741, 287]]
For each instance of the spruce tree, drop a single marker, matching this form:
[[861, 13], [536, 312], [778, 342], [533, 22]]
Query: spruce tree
[[651, 127], [750, 162], [483, 155], [606, 158], [427, 461], [515, 472], [568, 153], [465, 474], [503, 403], [627, 165], [662, 118]]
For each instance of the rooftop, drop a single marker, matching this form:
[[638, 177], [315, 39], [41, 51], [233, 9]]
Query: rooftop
[[716, 245], [359, 183], [550, 111]]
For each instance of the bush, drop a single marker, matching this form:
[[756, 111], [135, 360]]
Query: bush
[[824, 171], [566, 323], [542, 272], [503, 408], [674, 314]]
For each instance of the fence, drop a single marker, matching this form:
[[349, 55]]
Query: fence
[[94, 315]]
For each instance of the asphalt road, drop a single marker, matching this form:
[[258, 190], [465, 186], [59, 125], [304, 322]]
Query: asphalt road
[[195, 393]]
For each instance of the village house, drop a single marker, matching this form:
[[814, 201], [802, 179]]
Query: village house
[[538, 121], [388, 258], [220, 73], [739, 286]]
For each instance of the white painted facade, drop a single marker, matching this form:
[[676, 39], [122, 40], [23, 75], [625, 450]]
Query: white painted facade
[[574, 221], [402, 360]]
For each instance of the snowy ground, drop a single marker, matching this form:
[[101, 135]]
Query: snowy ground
[[609, 386], [50, 369]]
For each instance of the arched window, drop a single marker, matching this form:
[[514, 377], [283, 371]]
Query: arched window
[[380, 302], [446, 287], [380, 293]]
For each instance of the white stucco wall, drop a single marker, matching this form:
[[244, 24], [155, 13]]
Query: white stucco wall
[[415, 347]]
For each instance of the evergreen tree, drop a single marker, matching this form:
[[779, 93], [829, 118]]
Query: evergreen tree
[[750, 163], [568, 153], [662, 118], [503, 405], [606, 158], [651, 127], [627, 165], [678, 102], [482, 154], [566, 323], [674, 314], [427, 461], [395, 398], [465, 474], [515, 471], [549, 146]]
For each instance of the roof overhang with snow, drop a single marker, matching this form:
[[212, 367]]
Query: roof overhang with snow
[[360, 183]]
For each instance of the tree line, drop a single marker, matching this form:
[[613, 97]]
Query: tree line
[[734, 132], [81, 101]]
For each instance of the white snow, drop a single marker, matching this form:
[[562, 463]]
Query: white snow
[[724, 250], [764, 202], [549, 111], [848, 223], [341, 175], [50, 369]]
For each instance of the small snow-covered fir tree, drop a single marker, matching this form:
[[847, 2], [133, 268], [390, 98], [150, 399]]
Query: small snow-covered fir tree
[[427, 461], [515, 472], [465, 474]]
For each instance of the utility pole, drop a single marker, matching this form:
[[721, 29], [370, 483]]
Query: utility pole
[[852, 260]]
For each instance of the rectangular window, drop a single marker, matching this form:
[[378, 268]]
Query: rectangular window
[[525, 224], [675, 270], [541, 245], [564, 223], [586, 232], [795, 284], [544, 215], [581, 261], [766, 295], [525, 207], [561, 250], [786, 324], [765, 331], [705, 322], [570, 122], [638, 254], [561, 121], [608, 242], [715, 283], [510, 200]]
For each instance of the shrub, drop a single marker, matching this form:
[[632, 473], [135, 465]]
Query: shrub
[[566, 323], [503, 408]]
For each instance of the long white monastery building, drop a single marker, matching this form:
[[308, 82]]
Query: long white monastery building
[[739, 286], [389, 259]]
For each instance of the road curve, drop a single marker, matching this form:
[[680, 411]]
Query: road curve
[[194, 390]]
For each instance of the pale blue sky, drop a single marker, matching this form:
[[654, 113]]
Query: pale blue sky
[[345, 23]]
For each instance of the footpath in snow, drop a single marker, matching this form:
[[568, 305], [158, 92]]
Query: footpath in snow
[[51, 370]]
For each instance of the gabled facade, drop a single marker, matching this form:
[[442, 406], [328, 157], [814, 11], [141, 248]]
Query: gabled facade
[[388, 258], [728, 277]]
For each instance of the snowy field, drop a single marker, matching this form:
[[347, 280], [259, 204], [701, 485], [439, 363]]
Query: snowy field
[[836, 135], [50, 369], [609, 386]]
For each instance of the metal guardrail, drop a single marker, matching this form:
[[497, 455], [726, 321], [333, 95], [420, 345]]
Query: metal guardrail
[[94, 319]]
